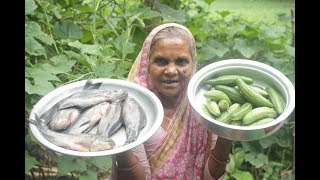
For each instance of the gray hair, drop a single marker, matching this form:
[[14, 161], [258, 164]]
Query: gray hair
[[176, 32]]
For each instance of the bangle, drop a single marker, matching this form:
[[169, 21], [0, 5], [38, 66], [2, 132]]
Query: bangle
[[130, 168], [214, 158]]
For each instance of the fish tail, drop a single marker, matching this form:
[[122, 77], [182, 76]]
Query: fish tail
[[32, 121], [37, 122], [96, 85], [90, 85], [131, 136]]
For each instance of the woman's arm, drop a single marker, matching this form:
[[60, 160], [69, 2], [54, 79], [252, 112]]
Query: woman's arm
[[219, 157], [128, 166]]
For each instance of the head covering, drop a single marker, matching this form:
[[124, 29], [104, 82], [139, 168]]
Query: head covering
[[139, 70], [181, 155]]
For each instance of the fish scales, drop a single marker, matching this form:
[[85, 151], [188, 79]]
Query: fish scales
[[80, 142], [92, 97], [63, 118], [47, 116], [134, 119], [88, 118], [112, 121]]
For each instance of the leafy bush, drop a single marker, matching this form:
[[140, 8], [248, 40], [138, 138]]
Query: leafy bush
[[71, 40]]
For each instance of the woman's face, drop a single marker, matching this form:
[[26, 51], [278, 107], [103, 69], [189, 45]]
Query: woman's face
[[170, 66]]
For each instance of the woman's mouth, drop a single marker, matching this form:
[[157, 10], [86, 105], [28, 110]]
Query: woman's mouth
[[170, 81]]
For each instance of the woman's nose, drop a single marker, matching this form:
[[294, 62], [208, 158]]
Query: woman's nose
[[171, 69]]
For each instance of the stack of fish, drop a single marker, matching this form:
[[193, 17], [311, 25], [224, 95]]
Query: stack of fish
[[85, 120]]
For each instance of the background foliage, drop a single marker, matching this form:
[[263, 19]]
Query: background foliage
[[71, 40]]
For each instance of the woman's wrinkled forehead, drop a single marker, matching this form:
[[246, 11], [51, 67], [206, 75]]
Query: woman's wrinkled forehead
[[173, 33]]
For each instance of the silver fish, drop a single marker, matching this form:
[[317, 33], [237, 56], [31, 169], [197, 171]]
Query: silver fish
[[88, 118], [80, 142], [134, 119], [63, 118], [112, 121], [93, 130], [47, 116], [91, 97]]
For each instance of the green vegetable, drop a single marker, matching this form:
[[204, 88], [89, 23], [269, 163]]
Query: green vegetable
[[228, 80], [241, 112], [213, 107], [216, 95], [232, 93], [261, 121], [252, 96], [223, 105], [259, 113], [275, 99]]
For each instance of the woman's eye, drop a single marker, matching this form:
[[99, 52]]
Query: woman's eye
[[161, 61], [182, 62]]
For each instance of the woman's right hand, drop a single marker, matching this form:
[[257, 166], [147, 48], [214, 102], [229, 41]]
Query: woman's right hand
[[128, 166], [126, 159]]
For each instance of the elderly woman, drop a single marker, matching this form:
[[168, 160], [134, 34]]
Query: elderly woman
[[181, 148]]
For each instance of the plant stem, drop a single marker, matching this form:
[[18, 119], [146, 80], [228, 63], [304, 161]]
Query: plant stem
[[29, 63], [77, 79], [50, 32], [106, 19]]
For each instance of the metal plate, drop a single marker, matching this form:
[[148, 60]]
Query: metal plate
[[263, 75], [148, 101]]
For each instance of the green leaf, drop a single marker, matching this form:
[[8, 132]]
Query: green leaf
[[284, 138], [41, 84], [212, 49], [170, 15], [224, 14], [29, 162], [59, 68], [87, 36], [273, 31], [34, 48], [29, 7], [61, 64], [91, 175], [31, 140], [257, 160], [40, 88], [66, 29], [28, 100], [290, 50], [268, 141], [238, 157], [131, 19], [209, 1], [74, 55], [86, 48], [250, 32], [40, 75], [68, 164], [147, 13], [251, 146], [123, 45], [231, 167], [113, 21], [242, 175], [242, 46], [105, 70], [103, 162], [56, 12], [33, 29]]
